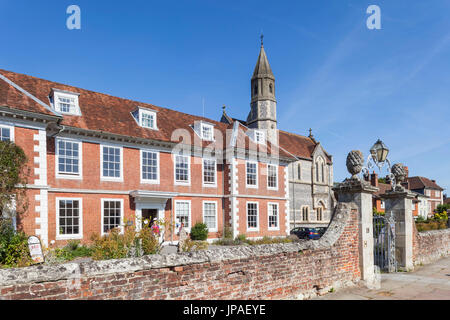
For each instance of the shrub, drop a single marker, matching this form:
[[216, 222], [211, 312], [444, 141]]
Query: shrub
[[149, 240], [190, 245], [114, 245], [241, 238], [130, 243], [199, 231], [228, 233], [13, 246]]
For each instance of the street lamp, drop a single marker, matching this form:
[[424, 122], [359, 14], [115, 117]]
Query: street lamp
[[379, 153]]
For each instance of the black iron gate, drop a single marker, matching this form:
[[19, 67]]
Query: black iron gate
[[384, 243]]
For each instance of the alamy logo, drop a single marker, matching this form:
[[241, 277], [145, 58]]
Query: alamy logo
[[374, 20], [74, 20]]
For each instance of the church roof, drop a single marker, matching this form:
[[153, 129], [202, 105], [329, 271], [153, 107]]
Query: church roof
[[262, 68]]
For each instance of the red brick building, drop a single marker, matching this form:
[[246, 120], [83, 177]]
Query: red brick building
[[98, 162]]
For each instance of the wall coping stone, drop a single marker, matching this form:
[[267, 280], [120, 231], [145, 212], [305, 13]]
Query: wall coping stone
[[46, 273]]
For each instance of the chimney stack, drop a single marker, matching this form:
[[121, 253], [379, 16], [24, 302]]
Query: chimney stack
[[407, 172], [374, 179]]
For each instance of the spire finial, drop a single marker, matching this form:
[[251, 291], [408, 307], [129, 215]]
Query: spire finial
[[262, 39], [223, 108], [310, 133]]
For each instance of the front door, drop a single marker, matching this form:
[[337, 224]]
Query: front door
[[149, 216]]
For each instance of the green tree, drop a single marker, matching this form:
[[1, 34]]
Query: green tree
[[13, 180]]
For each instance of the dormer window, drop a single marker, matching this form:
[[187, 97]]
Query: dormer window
[[66, 102], [207, 132], [146, 118], [204, 130]]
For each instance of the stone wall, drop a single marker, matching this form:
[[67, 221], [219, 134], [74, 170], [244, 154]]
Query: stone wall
[[277, 271], [430, 246]]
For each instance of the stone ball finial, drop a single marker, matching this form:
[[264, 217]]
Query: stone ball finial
[[399, 172], [355, 163]]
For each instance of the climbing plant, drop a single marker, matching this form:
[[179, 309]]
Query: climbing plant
[[13, 180]]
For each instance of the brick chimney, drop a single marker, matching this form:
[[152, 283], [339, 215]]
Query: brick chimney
[[374, 179], [407, 171]]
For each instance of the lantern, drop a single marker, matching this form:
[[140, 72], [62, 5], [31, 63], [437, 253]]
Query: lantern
[[379, 152]]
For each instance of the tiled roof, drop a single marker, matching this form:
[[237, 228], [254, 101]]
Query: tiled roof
[[103, 112], [416, 183], [383, 188]]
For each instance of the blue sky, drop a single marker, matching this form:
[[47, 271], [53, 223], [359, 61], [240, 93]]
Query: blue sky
[[349, 84]]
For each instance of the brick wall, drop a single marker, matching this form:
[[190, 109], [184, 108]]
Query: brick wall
[[257, 272], [430, 246]]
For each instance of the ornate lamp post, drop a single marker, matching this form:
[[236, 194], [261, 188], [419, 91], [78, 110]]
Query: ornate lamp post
[[378, 157]]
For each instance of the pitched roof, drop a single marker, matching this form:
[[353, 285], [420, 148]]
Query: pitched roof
[[106, 113], [382, 189], [100, 112], [416, 183]]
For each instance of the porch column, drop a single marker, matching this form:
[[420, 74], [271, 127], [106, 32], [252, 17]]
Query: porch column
[[398, 204], [360, 193]]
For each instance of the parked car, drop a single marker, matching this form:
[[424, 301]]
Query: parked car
[[321, 230], [306, 233]]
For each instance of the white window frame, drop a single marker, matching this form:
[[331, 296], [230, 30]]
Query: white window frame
[[203, 216], [190, 213], [208, 184], [261, 134], [11, 131], [251, 229], [80, 219], [276, 180], [211, 127], [148, 112], [180, 182], [269, 204], [382, 204], [112, 179], [121, 225], [141, 171], [246, 174], [66, 95], [61, 175]]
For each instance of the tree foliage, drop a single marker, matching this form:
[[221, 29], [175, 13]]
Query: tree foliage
[[13, 178]]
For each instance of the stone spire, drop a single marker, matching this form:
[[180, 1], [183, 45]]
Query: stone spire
[[262, 68], [263, 103]]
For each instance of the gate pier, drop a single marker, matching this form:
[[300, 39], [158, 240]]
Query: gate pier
[[360, 193], [398, 206]]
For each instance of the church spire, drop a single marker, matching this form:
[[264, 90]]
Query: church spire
[[263, 103], [262, 68]]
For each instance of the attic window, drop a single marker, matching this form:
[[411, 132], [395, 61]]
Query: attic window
[[66, 102], [207, 132], [146, 118]]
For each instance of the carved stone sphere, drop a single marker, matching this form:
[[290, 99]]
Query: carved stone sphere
[[355, 162], [399, 172]]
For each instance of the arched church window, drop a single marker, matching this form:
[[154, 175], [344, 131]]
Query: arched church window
[[305, 213], [255, 90], [270, 88]]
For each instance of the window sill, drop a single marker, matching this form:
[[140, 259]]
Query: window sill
[[69, 237]]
